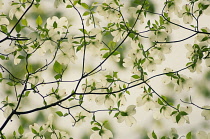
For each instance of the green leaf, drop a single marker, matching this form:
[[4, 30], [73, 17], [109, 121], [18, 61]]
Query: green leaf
[[183, 113], [189, 135], [21, 57], [84, 5], [160, 101], [69, 6], [34, 131], [24, 22], [58, 76], [86, 13], [205, 38], [124, 113], [10, 83], [154, 135], [0, 75], [110, 80], [204, 30], [57, 67], [59, 113], [39, 20], [18, 28], [106, 55], [95, 128], [135, 76], [55, 25], [178, 117], [20, 130], [174, 112], [4, 29], [118, 104]]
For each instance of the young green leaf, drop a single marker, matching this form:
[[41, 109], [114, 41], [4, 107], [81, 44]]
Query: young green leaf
[[20, 130], [57, 67], [39, 20], [59, 113]]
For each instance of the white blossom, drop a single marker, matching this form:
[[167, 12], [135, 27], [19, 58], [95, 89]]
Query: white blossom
[[206, 113], [147, 101], [3, 20], [202, 135], [17, 11], [127, 116]]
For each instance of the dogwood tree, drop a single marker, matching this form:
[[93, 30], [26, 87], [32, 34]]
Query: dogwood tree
[[81, 60]]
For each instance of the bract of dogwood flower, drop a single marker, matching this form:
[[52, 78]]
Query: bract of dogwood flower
[[67, 53], [173, 7], [190, 49], [167, 79], [158, 36], [16, 59], [147, 101], [159, 50], [9, 106], [4, 20], [47, 46], [185, 83], [197, 68], [97, 33], [34, 36], [163, 111], [200, 37], [102, 134], [169, 26], [55, 22], [118, 34], [94, 46], [206, 113], [93, 21], [127, 116], [54, 34], [16, 11], [10, 50], [207, 62], [56, 27], [35, 78], [128, 62], [134, 12], [186, 14], [122, 100], [1, 4], [149, 64], [7, 111], [135, 52], [109, 13], [202, 135], [107, 100]]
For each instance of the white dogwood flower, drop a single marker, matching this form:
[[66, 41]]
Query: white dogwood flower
[[127, 115], [202, 135], [4, 20], [206, 113], [147, 101]]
